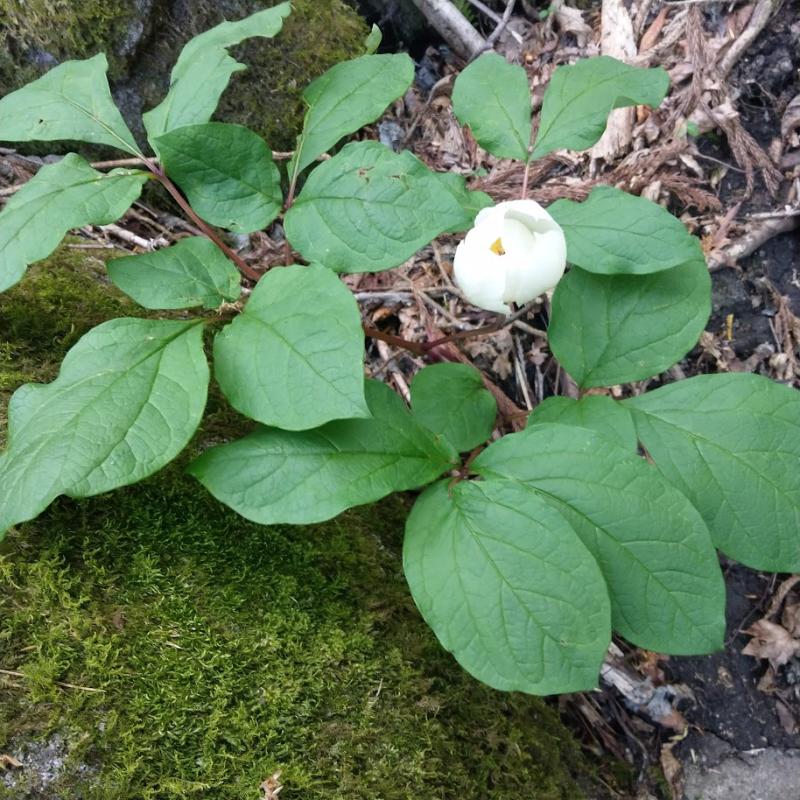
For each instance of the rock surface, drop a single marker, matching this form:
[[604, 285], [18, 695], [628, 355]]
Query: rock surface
[[142, 39]]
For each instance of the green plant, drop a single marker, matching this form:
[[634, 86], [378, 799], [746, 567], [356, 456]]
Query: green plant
[[527, 553]]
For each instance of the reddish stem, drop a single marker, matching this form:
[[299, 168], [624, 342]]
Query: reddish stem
[[206, 229]]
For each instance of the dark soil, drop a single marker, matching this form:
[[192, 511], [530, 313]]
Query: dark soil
[[767, 77], [729, 704]]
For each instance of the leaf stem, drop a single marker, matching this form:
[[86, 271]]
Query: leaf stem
[[206, 229], [424, 348]]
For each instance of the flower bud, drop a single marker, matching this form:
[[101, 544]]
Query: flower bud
[[515, 252]]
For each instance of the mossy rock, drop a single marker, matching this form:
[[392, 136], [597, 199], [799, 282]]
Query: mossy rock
[[169, 649], [142, 39]]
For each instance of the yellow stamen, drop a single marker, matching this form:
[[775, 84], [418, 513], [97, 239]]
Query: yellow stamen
[[497, 247]]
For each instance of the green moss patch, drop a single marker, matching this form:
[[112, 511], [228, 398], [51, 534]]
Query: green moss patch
[[169, 649]]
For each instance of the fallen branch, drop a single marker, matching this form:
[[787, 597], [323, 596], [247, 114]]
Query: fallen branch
[[758, 21], [452, 26], [747, 245]]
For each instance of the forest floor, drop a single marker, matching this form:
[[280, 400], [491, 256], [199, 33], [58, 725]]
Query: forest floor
[[723, 153]]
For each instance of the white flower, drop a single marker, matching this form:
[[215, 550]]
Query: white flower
[[515, 252]]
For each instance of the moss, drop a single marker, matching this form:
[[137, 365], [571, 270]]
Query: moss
[[268, 96], [223, 651], [41, 30], [142, 41]]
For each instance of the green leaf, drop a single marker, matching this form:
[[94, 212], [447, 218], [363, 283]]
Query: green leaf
[[731, 444], [193, 272], [615, 233], [204, 68], [71, 101], [653, 548], [493, 98], [129, 396], [295, 357], [507, 587], [369, 209], [596, 412], [373, 40], [450, 399], [580, 97], [347, 97], [274, 476], [67, 194], [608, 329], [226, 172]]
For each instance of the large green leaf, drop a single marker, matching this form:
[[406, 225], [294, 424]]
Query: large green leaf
[[369, 209], [347, 97], [493, 98], [226, 172], [71, 101], [580, 97], [193, 272], [204, 68], [596, 412], [614, 233], [608, 329], [128, 397], [507, 586], [731, 444], [301, 477], [451, 399], [295, 357], [61, 196], [652, 546]]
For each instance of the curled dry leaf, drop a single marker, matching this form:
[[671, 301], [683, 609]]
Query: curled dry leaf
[[790, 123], [772, 642], [790, 619], [9, 762]]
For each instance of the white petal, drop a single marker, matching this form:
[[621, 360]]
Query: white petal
[[493, 215], [543, 270], [480, 276]]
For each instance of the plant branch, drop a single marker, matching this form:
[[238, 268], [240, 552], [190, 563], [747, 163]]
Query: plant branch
[[497, 32], [424, 348], [204, 227]]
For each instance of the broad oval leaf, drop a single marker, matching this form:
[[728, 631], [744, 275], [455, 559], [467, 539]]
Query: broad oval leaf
[[494, 99], [596, 412], [507, 587], [609, 329], [652, 546], [369, 209], [193, 272], [451, 399], [71, 101], [204, 68], [614, 233], [61, 196], [299, 477], [580, 97], [226, 172], [129, 396], [347, 97], [295, 357], [731, 444]]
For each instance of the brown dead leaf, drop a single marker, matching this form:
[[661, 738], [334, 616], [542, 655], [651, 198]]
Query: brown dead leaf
[[650, 36], [271, 787], [790, 123], [672, 770], [790, 619], [772, 642], [9, 762], [786, 717]]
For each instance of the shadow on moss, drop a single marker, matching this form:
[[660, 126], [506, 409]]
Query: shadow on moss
[[222, 651]]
